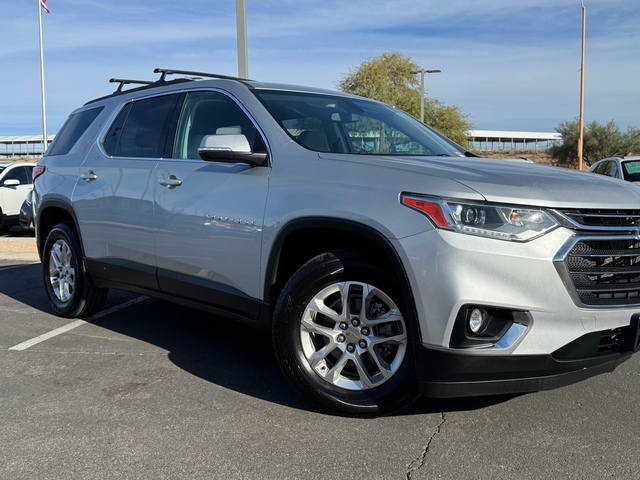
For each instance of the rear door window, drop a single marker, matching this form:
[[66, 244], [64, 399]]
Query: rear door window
[[140, 130]]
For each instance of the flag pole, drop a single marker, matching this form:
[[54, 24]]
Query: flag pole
[[44, 107]]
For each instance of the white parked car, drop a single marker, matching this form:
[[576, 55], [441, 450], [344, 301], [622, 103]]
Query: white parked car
[[15, 184], [623, 168]]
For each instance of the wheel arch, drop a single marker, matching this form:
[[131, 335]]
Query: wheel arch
[[303, 239], [50, 213]]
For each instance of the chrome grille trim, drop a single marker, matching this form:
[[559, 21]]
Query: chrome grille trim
[[610, 221]]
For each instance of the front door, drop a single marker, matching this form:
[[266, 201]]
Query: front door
[[209, 215]]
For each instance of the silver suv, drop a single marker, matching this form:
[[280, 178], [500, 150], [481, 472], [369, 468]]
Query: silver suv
[[384, 259]]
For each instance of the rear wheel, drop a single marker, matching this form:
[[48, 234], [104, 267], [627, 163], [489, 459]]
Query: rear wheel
[[341, 337], [65, 282]]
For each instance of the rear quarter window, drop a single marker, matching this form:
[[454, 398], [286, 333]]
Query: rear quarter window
[[72, 130]]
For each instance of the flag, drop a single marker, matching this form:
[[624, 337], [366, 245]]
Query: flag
[[43, 4]]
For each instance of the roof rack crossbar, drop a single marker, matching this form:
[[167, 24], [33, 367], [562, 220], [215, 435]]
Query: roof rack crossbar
[[124, 81], [166, 71]]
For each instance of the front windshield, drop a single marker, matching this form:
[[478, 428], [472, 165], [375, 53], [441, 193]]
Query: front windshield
[[631, 170], [326, 123]]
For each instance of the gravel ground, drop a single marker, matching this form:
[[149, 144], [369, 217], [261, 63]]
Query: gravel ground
[[18, 248]]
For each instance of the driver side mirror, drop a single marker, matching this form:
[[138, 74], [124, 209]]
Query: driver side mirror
[[232, 148], [12, 182]]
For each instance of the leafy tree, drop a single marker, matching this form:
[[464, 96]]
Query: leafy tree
[[600, 141], [388, 78], [447, 119]]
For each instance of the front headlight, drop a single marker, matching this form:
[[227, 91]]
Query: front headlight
[[504, 222]]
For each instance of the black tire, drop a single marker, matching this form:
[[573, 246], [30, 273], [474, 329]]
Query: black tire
[[4, 228], [65, 281], [321, 354]]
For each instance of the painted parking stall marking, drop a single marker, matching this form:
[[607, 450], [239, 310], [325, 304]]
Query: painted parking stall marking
[[75, 324]]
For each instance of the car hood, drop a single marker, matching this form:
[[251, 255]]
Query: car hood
[[519, 181]]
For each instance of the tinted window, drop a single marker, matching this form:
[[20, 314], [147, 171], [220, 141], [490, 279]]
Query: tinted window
[[18, 173], [610, 169], [110, 142], [211, 113], [601, 168], [72, 130], [140, 130]]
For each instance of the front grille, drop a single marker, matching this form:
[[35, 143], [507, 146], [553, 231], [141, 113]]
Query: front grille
[[605, 272], [603, 263]]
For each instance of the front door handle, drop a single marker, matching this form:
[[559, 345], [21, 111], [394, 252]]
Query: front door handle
[[171, 181]]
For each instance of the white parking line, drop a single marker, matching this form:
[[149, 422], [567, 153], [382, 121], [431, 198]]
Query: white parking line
[[75, 324]]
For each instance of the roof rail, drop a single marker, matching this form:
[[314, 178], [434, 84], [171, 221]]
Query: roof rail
[[166, 71], [124, 81]]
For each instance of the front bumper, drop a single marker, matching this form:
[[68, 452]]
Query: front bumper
[[445, 373]]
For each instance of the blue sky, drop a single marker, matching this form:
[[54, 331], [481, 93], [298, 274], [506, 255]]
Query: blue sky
[[510, 65]]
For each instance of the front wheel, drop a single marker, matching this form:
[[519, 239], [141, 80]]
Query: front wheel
[[69, 293], [341, 337]]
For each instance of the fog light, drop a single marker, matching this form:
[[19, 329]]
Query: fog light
[[477, 320]]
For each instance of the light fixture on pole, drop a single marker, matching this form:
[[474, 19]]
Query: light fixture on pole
[[581, 121], [422, 72]]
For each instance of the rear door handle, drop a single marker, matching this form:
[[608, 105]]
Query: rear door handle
[[89, 176], [171, 181]]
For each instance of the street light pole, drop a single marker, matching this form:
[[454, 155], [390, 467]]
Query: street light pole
[[422, 72], [581, 121], [241, 24]]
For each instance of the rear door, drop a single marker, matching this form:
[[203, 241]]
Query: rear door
[[209, 215], [115, 193]]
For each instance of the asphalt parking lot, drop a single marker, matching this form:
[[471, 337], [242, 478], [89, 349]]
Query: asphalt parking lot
[[150, 390]]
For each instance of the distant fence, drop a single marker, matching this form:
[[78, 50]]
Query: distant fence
[[499, 140], [22, 145], [31, 145]]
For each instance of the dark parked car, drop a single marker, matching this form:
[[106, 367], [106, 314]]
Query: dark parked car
[[26, 213], [624, 168]]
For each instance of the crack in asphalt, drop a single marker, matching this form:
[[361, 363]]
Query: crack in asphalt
[[423, 458]]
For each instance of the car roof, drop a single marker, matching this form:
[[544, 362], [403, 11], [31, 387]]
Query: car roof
[[621, 158], [9, 163], [205, 79]]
